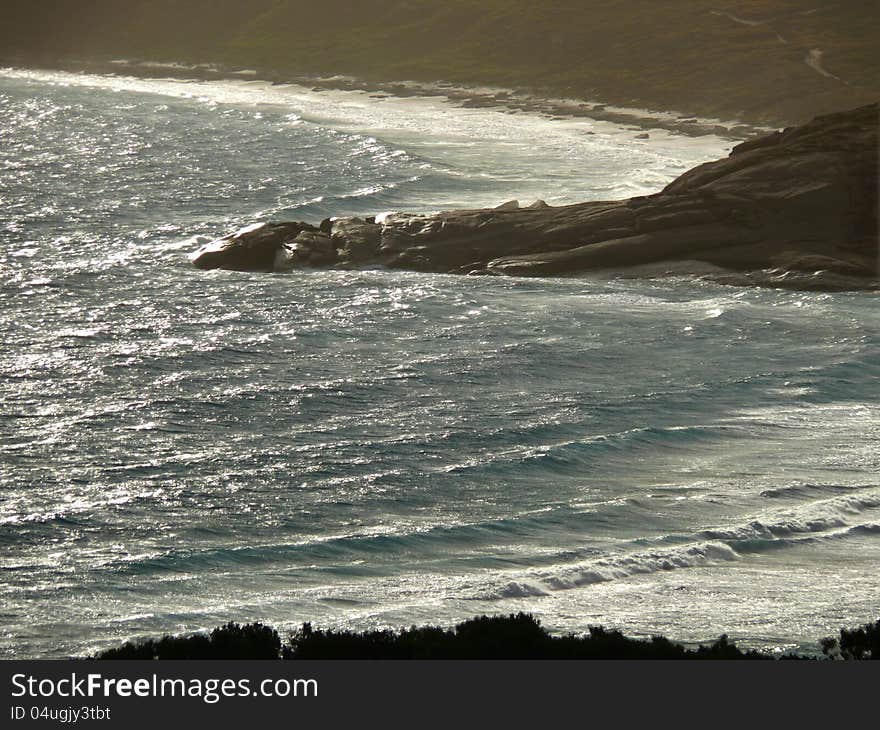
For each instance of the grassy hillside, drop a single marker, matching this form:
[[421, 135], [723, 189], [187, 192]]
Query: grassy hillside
[[745, 58]]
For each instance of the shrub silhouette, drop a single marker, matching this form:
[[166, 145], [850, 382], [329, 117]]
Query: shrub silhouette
[[513, 637], [854, 644], [253, 641], [518, 636], [414, 643]]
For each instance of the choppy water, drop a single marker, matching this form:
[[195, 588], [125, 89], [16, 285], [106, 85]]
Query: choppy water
[[363, 449]]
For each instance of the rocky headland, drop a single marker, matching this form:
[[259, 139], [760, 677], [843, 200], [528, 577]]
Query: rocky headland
[[795, 209]]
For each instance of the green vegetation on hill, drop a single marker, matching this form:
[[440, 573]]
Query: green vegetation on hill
[[746, 58]]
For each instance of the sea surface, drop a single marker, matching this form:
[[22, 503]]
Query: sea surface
[[179, 449]]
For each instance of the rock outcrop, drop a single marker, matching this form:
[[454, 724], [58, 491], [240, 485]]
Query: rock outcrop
[[795, 209]]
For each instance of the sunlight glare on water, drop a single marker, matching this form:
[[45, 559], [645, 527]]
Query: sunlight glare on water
[[372, 448]]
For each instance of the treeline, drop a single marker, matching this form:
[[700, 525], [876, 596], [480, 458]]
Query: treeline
[[518, 636]]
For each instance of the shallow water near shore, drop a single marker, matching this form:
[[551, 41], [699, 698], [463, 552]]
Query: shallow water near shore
[[360, 449]]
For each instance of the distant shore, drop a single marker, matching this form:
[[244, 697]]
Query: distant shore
[[779, 64], [487, 97]]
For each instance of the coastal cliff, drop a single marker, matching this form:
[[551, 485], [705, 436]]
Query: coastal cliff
[[795, 209]]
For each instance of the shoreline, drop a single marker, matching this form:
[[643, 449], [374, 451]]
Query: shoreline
[[513, 101], [783, 66]]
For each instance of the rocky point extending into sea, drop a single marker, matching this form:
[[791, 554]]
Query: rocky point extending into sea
[[795, 209]]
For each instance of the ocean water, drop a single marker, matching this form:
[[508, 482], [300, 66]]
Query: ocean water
[[367, 449]]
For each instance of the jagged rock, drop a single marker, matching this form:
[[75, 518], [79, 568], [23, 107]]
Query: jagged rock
[[356, 239], [794, 209], [315, 248], [255, 248]]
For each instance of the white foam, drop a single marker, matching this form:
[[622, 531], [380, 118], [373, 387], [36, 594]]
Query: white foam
[[567, 577], [559, 160]]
